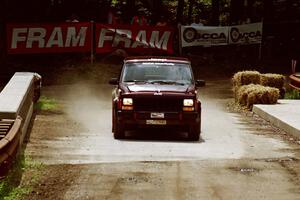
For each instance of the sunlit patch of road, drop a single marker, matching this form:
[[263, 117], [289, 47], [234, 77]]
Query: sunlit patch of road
[[224, 134]]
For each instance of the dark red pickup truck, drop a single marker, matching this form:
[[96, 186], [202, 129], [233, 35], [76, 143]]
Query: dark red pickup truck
[[156, 92]]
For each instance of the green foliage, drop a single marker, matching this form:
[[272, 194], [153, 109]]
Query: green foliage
[[292, 94], [114, 2], [10, 187], [205, 2], [46, 104]]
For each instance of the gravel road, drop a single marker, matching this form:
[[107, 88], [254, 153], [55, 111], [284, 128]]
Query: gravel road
[[238, 157]]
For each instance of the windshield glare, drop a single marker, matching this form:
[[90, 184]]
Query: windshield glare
[[152, 72]]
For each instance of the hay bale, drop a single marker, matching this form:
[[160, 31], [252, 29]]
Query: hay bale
[[272, 80], [243, 92], [246, 78], [257, 94], [235, 90]]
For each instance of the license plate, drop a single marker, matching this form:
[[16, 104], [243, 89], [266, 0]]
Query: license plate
[[156, 122], [157, 115]]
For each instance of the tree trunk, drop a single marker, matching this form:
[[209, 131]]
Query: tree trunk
[[215, 12], [2, 30], [191, 6], [268, 10], [179, 17], [157, 9], [236, 10], [130, 9]]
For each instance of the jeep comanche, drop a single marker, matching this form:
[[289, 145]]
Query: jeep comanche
[[156, 93]]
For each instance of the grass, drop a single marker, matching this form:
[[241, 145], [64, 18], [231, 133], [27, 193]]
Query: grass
[[12, 187], [292, 94], [47, 104]]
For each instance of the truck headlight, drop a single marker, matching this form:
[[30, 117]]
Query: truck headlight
[[127, 101], [127, 104], [188, 102], [188, 105]]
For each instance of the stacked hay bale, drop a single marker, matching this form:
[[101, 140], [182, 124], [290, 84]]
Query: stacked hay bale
[[257, 94], [244, 78], [251, 87], [274, 80]]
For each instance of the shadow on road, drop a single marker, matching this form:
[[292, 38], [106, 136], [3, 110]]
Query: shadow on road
[[164, 135]]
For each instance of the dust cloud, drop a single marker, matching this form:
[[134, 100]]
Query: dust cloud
[[88, 104]]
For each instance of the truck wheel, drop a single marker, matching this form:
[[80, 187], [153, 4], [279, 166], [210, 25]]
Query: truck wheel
[[113, 122], [119, 132], [194, 133]]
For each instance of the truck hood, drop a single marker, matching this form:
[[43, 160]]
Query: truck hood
[[157, 88]]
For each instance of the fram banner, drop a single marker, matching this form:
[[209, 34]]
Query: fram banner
[[213, 36], [204, 36], [134, 38], [246, 34], [48, 38]]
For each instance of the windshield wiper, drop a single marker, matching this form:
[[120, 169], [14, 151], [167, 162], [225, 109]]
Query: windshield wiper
[[167, 82], [135, 81]]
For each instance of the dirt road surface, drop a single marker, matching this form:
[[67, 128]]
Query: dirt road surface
[[238, 157]]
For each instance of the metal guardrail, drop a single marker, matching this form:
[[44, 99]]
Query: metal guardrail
[[16, 108], [9, 144]]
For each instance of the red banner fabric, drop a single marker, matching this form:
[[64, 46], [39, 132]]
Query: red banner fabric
[[48, 38], [134, 38]]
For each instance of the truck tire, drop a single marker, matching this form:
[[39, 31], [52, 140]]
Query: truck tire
[[194, 133], [119, 131]]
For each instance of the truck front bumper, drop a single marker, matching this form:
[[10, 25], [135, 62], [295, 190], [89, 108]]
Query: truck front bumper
[[182, 120]]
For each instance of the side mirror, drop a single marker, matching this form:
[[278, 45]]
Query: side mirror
[[114, 81], [200, 83]]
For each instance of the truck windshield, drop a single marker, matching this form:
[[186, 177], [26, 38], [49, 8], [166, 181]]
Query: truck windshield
[[153, 72]]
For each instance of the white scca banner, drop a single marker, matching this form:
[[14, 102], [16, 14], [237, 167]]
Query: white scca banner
[[203, 36], [225, 35], [246, 34]]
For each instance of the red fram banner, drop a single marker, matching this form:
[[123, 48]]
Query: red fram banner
[[134, 38], [77, 37], [48, 38]]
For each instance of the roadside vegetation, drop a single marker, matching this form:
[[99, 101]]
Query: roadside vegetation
[[14, 186], [47, 104], [292, 94]]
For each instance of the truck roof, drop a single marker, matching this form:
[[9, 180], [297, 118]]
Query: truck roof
[[157, 59]]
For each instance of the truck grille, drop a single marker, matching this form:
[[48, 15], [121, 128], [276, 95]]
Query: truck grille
[[158, 104]]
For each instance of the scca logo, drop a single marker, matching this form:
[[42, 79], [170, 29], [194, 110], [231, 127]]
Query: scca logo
[[191, 34], [236, 35]]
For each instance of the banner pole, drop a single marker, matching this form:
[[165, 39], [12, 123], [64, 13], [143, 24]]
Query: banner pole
[[260, 45], [260, 51], [92, 43], [179, 39]]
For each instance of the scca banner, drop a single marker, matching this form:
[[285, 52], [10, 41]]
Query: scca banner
[[213, 36], [48, 38], [246, 34], [134, 38], [204, 36]]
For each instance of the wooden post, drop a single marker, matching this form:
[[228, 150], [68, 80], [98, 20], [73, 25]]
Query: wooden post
[[92, 43], [260, 45], [179, 39], [260, 51]]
